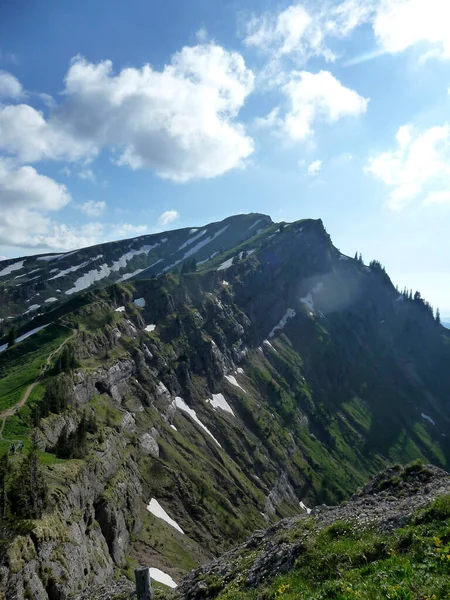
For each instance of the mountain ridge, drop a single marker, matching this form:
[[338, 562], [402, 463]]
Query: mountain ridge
[[279, 376]]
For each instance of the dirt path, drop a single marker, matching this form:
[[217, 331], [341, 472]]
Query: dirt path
[[9, 412]]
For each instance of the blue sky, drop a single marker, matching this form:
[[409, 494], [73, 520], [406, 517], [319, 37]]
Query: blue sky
[[122, 118]]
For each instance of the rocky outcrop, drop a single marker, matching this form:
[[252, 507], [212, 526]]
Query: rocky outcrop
[[112, 381], [95, 510], [387, 503]]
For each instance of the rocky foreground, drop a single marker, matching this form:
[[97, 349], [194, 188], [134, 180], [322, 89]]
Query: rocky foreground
[[391, 501]]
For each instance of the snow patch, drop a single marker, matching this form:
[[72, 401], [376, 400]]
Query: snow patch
[[140, 302], [225, 282], [162, 577], [233, 381], [51, 300], [302, 505], [120, 309], [75, 268], [225, 265], [104, 270], [174, 428], [426, 417], [240, 370], [150, 327], [255, 223], [190, 241], [267, 343], [52, 257], [10, 268], [89, 278], [181, 404], [218, 401], [157, 510], [32, 308], [24, 336], [289, 314], [130, 275]]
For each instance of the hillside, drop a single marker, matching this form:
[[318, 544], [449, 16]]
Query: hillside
[[391, 540], [34, 284], [180, 413]]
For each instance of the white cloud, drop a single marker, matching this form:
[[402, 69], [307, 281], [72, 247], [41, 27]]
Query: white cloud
[[418, 167], [317, 96], [10, 86], [400, 24], [93, 208], [24, 187], [87, 174], [302, 32], [180, 121], [269, 120], [201, 35], [24, 132], [440, 197], [25, 199], [314, 168], [168, 217], [124, 230]]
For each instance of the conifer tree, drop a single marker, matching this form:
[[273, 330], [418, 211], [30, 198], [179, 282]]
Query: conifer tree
[[11, 337], [438, 316]]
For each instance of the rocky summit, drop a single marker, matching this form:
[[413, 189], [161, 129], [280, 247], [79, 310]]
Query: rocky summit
[[175, 397]]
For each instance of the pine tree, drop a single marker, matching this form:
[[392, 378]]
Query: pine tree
[[244, 254], [11, 337], [235, 260], [5, 472], [438, 317], [30, 489]]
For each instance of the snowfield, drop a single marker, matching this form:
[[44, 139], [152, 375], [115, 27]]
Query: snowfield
[[162, 577], [157, 510], [234, 382], [289, 314], [181, 404], [14, 267], [218, 401]]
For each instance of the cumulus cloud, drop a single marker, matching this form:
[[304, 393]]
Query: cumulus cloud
[[24, 187], [25, 133], [93, 208], [417, 169], [25, 199], [314, 168], [168, 217], [10, 86], [180, 121], [400, 24], [316, 97]]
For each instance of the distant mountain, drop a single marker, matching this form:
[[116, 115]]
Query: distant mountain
[[33, 284], [446, 323], [176, 414]]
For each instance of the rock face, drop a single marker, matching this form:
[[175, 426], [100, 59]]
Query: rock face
[[291, 376]]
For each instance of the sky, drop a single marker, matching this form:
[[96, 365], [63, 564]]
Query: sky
[[124, 118]]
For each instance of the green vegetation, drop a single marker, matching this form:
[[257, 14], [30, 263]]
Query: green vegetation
[[347, 561], [18, 372]]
